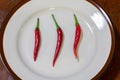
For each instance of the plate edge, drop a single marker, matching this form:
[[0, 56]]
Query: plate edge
[[107, 18], [4, 61]]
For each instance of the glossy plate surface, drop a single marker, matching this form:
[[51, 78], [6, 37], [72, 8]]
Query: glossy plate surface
[[94, 48]]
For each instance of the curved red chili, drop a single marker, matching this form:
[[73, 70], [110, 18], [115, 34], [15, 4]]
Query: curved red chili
[[59, 41], [37, 40], [77, 37]]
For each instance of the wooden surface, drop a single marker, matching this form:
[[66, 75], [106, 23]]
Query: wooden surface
[[111, 7]]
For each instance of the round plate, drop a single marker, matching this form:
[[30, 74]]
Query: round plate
[[94, 50]]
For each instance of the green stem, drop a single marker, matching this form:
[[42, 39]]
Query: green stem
[[76, 20], [37, 26], [57, 26]]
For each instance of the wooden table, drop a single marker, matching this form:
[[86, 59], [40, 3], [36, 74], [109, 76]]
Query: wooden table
[[111, 7]]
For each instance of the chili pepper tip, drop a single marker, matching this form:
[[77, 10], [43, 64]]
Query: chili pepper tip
[[57, 26], [53, 64], [34, 59], [54, 60]]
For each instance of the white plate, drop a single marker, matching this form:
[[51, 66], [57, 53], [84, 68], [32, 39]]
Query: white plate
[[94, 49]]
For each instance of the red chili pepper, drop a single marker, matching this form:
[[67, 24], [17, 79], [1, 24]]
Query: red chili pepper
[[59, 40], [37, 40], [77, 37]]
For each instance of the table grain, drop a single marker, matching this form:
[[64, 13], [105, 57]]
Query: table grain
[[111, 7]]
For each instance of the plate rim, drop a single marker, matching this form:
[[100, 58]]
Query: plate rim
[[2, 30], [107, 18]]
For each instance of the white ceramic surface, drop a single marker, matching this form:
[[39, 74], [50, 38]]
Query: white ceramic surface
[[94, 47]]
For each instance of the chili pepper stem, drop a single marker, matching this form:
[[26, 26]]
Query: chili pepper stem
[[76, 20], [57, 26], [37, 26]]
